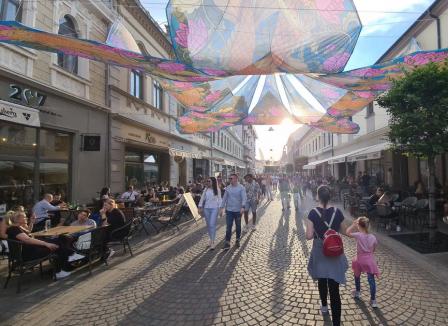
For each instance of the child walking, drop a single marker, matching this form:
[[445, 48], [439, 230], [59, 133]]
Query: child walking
[[365, 261]]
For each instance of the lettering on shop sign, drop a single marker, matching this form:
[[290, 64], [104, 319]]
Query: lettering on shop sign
[[150, 139], [8, 112], [26, 96]]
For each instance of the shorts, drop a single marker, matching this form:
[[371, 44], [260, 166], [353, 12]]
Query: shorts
[[251, 205]]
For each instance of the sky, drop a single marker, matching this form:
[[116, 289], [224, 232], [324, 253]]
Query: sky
[[384, 21]]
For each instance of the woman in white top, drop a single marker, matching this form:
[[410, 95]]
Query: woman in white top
[[209, 206]]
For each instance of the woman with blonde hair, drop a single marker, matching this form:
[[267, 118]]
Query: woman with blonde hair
[[34, 248]]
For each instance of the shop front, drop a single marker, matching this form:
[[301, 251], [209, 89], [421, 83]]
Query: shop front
[[139, 157], [48, 144]]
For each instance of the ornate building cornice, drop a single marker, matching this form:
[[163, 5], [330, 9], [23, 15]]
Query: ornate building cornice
[[144, 18]]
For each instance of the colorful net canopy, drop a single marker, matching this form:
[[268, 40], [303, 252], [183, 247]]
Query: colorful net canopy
[[257, 62]]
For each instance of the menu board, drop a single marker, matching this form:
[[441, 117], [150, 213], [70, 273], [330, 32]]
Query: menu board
[[192, 205]]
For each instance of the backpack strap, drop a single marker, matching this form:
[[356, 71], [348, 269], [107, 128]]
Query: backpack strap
[[328, 225]]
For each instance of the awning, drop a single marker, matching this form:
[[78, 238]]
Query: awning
[[369, 153], [341, 158], [312, 165], [19, 114], [182, 153]]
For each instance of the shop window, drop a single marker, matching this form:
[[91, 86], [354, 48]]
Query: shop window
[[369, 110], [67, 28], [157, 95], [16, 184], [136, 84], [53, 178], [141, 168], [17, 140], [54, 145], [11, 10]]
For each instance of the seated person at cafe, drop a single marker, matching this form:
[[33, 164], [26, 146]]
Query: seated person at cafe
[[113, 218], [35, 248], [41, 210], [130, 195], [83, 219], [373, 200], [57, 200], [385, 199]]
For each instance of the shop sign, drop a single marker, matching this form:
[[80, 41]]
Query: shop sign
[[26, 96], [19, 114], [184, 154], [132, 134]]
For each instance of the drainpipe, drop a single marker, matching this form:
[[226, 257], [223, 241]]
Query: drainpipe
[[439, 36]]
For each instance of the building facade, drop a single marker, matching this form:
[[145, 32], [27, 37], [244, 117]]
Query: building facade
[[54, 121], [343, 155]]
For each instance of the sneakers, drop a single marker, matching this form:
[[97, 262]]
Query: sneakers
[[111, 253], [246, 228], [226, 246], [254, 228], [75, 257], [212, 245], [373, 304], [237, 243], [62, 274], [356, 294], [324, 310]]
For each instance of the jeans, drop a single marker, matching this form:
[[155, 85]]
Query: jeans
[[328, 285], [372, 284], [284, 195], [230, 217], [296, 197], [269, 192], [211, 215]]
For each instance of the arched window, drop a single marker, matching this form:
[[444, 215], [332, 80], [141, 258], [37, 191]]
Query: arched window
[[11, 10], [67, 28]]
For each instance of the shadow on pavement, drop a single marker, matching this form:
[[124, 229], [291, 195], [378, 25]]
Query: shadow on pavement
[[367, 313], [181, 298]]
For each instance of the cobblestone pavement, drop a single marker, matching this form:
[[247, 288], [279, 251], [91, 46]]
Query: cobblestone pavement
[[265, 282]]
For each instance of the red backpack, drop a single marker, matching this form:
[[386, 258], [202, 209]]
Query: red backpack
[[333, 245]]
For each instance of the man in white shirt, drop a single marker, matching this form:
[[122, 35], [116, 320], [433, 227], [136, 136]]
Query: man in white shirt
[[41, 210], [130, 196]]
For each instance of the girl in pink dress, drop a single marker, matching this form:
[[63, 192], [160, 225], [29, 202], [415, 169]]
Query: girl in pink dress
[[365, 261]]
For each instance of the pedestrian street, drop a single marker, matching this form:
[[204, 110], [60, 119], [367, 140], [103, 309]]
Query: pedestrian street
[[178, 281]]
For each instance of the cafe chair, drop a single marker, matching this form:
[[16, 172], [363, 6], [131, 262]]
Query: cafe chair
[[17, 265], [92, 247], [383, 216], [123, 234], [419, 215], [168, 216]]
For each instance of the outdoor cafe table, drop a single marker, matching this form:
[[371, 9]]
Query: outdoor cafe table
[[59, 230]]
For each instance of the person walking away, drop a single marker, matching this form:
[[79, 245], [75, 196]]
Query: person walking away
[[296, 195], [284, 188], [233, 203], [365, 260], [328, 271], [209, 206], [269, 188], [253, 198]]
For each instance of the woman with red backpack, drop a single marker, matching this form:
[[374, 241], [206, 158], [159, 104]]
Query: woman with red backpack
[[327, 263]]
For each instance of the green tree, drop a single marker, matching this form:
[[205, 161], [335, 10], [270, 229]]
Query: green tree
[[418, 109]]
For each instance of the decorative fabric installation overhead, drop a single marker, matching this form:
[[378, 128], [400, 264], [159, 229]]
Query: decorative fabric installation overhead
[[242, 62]]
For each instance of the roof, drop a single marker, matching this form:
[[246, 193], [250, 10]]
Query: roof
[[417, 22]]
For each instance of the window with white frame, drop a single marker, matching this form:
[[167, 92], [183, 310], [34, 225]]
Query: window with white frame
[[67, 28], [11, 10], [157, 95], [136, 84]]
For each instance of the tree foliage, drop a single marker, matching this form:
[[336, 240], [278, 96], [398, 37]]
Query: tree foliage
[[418, 109]]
